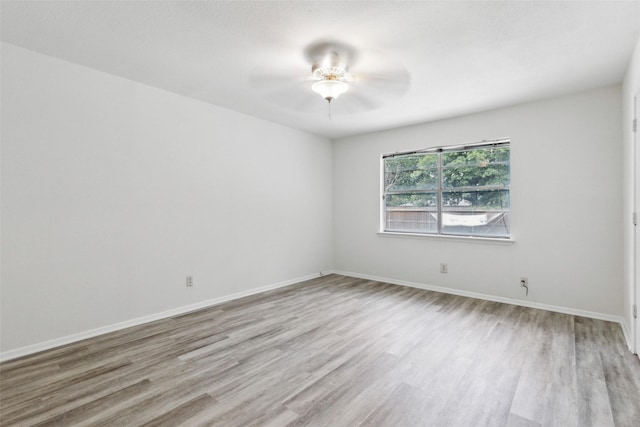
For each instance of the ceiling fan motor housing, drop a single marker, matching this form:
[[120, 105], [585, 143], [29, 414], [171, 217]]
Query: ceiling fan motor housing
[[330, 67]]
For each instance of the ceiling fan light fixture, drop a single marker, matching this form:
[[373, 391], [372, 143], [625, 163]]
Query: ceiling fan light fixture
[[329, 88]]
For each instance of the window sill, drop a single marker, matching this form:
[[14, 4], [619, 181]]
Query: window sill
[[466, 239]]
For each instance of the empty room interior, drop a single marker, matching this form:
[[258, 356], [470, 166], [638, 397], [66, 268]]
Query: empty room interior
[[323, 213]]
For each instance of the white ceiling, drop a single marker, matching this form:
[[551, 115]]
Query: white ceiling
[[449, 58]]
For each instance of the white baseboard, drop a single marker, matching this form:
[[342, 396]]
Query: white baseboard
[[555, 308], [57, 342]]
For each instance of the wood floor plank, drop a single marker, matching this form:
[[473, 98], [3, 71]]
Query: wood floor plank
[[335, 351], [181, 413], [404, 407], [594, 408], [489, 384], [625, 409], [79, 414]]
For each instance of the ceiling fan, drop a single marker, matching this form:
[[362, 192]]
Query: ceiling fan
[[330, 68], [367, 78]]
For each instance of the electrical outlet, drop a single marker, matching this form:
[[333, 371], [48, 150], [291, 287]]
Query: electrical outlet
[[189, 281], [444, 268], [524, 283]]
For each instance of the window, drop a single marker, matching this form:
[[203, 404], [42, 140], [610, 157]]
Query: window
[[462, 190]]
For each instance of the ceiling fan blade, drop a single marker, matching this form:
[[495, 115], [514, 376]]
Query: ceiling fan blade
[[295, 96], [354, 103], [395, 82], [270, 82]]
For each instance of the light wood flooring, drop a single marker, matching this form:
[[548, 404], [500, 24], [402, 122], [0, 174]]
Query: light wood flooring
[[336, 351]]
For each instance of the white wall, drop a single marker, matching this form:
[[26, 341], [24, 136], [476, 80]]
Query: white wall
[[112, 192], [566, 206], [631, 85]]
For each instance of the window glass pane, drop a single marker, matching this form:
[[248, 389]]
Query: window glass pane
[[476, 213], [411, 212], [476, 168], [455, 191], [415, 172]]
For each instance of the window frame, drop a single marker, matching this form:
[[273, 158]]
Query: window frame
[[499, 142]]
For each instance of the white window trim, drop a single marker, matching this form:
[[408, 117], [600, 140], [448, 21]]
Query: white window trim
[[466, 239]]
